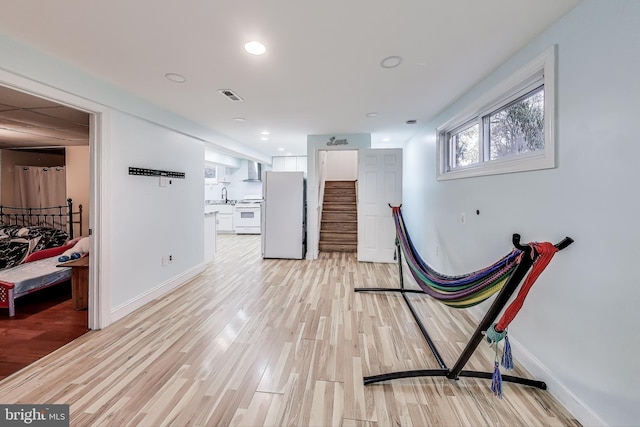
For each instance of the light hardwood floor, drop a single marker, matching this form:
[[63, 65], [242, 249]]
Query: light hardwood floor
[[255, 342]]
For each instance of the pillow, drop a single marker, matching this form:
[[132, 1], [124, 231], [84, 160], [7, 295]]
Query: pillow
[[47, 253], [79, 249]]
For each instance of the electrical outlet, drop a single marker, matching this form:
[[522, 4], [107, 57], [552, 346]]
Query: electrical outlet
[[170, 259]]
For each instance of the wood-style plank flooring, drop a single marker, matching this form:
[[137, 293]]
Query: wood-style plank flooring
[[253, 342], [45, 321]]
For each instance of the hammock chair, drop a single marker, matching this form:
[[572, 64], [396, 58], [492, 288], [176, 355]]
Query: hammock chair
[[462, 291]]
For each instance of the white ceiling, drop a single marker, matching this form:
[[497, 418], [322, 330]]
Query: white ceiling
[[321, 73]]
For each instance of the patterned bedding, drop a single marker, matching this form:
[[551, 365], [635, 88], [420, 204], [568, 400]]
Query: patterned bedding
[[17, 242]]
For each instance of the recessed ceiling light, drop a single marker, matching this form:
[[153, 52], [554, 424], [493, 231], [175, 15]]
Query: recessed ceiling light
[[411, 122], [373, 114], [391, 62], [176, 78], [264, 132], [264, 138], [255, 48], [239, 119]]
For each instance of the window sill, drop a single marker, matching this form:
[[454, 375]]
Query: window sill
[[533, 162]]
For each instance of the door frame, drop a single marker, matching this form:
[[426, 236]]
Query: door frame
[[99, 312], [316, 143]]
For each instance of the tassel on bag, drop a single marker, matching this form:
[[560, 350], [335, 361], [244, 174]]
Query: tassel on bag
[[507, 358], [496, 381], [493, 338]]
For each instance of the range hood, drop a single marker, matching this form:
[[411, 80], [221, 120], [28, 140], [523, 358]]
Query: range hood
[[254, 171]]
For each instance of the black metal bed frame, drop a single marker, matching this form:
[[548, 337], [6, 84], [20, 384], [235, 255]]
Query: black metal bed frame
[[489, 318], [60, 217]]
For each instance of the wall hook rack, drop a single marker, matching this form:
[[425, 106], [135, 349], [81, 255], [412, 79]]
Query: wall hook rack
[[155, 172]]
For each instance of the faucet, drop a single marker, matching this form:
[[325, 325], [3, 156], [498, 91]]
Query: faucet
[[224, 194]]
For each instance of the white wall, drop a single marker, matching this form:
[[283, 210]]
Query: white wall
[[341, 165], [150, 221], [138, 221], [221, 159], [578, 328]]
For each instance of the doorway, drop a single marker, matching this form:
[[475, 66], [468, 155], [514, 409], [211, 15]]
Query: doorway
[[37, 119], [338, 173], [377, 177]]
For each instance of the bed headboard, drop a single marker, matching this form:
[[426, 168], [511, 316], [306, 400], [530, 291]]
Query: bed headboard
[[60, 217]]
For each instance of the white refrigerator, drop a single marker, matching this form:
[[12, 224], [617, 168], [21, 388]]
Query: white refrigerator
[[284, 215]]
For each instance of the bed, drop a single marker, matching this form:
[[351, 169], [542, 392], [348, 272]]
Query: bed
[[31, 240]]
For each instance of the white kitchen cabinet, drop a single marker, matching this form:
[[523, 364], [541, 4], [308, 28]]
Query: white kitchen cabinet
[[301, 164], [224, 175], [225, 218], [290, 163], [278, 163]]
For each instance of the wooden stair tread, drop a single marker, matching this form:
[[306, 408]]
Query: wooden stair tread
[[339, 224]]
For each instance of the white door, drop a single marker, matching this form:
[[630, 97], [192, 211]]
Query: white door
[[379, 184]]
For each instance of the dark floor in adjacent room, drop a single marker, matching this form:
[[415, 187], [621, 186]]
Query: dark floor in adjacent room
[[45, 321]]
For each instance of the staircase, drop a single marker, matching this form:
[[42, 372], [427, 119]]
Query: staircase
[[339, 227]]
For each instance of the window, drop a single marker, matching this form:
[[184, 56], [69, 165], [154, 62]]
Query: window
[[510, 129]]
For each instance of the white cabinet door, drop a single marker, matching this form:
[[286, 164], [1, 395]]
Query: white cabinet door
[[225, 223], [278, 163], [301, 164], [290, 164]]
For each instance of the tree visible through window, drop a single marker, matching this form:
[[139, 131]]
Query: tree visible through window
[[465, 146], [518, 128], [510, 128]]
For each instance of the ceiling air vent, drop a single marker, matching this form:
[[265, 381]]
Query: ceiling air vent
[[230, 94]]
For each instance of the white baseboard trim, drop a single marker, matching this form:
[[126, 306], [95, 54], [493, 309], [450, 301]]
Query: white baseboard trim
[[576, 406], [154, 293]]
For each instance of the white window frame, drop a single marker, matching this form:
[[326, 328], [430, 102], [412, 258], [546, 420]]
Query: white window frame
[[541, 70]]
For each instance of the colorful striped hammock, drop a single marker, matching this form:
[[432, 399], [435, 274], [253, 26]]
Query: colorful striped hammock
[[460, 291], [468, 290]]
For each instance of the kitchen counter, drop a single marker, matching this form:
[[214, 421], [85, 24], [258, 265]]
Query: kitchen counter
[[219, 202]]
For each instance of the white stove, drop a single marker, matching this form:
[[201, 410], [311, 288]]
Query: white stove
[[247, 213]]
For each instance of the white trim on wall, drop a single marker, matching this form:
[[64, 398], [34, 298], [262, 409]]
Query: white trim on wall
[[99, 283], [162, 289]]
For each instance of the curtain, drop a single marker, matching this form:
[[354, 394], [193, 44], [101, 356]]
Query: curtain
[[37, 187]]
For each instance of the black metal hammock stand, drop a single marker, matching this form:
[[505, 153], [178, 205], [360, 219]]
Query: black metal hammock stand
[[463, 291]]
